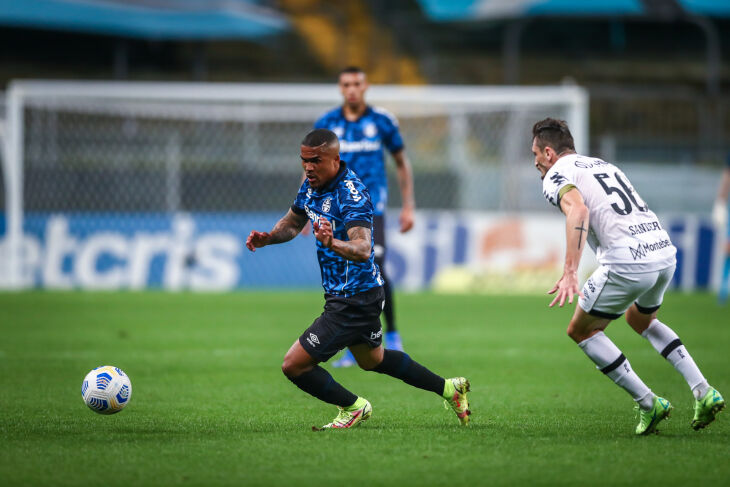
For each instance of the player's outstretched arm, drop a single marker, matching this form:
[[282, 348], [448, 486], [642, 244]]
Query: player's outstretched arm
[[356, 248], [285, 229], [405, 183], [576, 232]]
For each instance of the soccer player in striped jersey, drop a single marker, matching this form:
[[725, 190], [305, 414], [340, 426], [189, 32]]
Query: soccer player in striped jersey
[[637, 264], [364, 132], [338, 205]]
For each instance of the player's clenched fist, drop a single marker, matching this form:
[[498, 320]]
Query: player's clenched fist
[[323, 232], [257, 240]]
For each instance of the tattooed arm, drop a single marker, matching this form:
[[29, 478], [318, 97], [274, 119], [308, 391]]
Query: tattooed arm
[[285, 229], [356, 248], [576, 232]]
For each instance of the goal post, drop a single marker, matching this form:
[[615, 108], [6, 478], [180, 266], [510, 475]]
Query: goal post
[[127, 185]]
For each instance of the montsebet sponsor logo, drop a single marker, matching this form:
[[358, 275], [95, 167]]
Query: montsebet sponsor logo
[[643, 249]]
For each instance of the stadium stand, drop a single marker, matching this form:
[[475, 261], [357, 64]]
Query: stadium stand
[[347, 33]]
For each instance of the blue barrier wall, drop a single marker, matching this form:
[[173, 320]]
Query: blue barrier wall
[[206, 251]]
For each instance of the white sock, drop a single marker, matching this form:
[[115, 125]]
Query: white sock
[[668, 344], [609, 360]]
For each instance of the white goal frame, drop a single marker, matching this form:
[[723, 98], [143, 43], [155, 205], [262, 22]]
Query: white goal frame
[[574, 97]]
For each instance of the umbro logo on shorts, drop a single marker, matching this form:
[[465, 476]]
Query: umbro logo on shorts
[[375, 336], [313, 340]]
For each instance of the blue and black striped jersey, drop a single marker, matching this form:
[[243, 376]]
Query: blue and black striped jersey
[[345, 203], [361, 146]]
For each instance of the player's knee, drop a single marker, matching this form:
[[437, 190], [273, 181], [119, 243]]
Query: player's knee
[[290, 368], [368, 360], [637, 320], [631, 318], [287, 369], [575, 333], [367, 364]]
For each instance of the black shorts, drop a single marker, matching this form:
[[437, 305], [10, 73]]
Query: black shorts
[[345, 322]]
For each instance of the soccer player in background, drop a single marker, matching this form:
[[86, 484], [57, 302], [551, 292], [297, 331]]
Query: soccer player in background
[[719, 217], [364, 131], [637, 263], [339, 206]]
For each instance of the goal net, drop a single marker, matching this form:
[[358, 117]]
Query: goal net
[[135, 185]]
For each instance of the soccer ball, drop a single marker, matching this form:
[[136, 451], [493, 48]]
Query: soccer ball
[[106, 390]]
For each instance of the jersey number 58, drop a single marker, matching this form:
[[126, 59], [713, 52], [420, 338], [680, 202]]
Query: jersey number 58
[[627, 196]]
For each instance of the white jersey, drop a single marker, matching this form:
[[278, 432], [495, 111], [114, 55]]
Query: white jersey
[[624, 232]]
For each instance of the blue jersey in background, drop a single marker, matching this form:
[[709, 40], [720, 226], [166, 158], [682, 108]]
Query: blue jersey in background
[[361, 147], [345, 203]]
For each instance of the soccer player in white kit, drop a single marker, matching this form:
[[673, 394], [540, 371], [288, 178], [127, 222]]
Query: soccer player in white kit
[[637, 264]]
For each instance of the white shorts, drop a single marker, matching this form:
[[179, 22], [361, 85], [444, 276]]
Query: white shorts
[[608, 294]]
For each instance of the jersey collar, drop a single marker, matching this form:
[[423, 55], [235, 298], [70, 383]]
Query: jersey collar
[[566, 159], [367, 111], [338, 177]]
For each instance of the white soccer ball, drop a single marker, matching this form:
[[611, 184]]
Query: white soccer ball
[[106, 389]]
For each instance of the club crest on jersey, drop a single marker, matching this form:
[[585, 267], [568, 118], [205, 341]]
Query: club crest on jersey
[[326, 205], [370, 130], [353, 190]]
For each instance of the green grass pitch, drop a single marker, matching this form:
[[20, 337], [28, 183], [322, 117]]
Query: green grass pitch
[[210, 405]]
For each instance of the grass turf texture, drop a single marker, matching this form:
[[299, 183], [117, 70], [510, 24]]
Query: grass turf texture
[[211, 407]]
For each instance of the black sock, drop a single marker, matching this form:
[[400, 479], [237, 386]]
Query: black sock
[[320, 384], [401, 366]]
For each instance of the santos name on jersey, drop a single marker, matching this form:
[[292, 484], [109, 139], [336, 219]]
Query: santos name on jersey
[[345, 203], [624, 232], [361, 146]]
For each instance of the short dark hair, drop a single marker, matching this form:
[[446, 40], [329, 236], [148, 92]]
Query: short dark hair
[[317, 137], [350, 70], [554, 133]]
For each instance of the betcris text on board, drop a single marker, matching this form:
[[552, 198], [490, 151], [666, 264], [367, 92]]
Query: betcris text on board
[[127, 251]]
